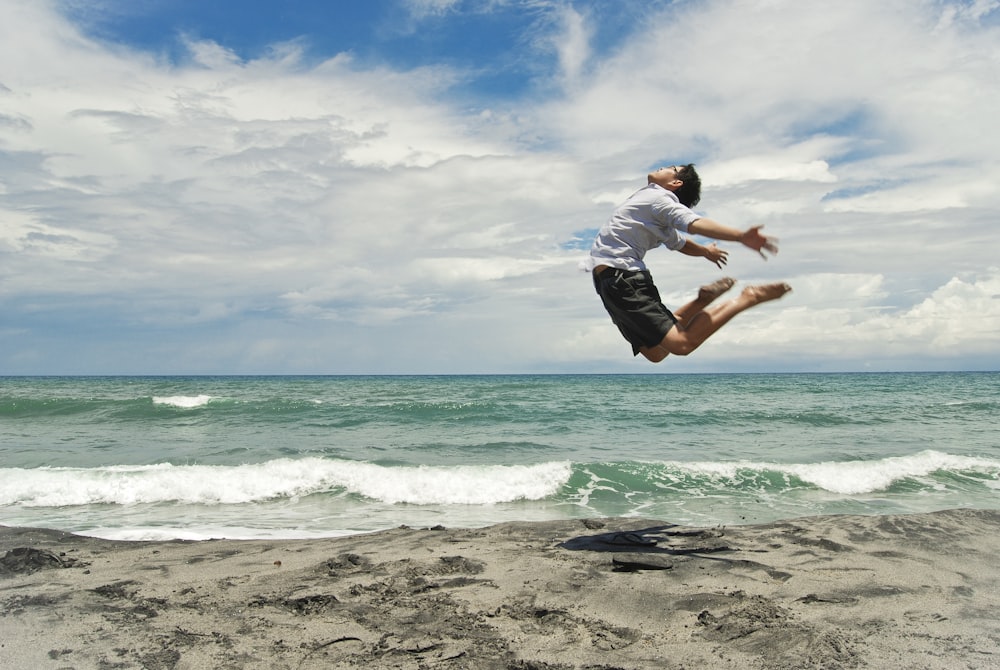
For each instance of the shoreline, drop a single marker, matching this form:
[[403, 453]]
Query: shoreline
[[917, 590]]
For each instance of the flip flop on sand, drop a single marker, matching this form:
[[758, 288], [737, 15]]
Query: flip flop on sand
[[629, 539], [636, 562]]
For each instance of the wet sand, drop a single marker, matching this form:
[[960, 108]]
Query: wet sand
[[914, 591]]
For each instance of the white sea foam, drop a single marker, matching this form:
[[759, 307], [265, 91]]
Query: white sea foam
[[160, 534], [859, 477], [282, 478], [292, 479], [183, 401]]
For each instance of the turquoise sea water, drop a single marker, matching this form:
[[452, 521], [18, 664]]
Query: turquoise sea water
[[241, 457]]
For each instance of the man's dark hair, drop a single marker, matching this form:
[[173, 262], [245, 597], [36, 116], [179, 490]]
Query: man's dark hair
[[690, 192]]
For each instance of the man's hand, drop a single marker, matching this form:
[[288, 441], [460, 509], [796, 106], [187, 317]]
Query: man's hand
[[716, 255], [759, 242]]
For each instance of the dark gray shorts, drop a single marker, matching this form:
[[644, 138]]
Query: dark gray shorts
[[634, 304]]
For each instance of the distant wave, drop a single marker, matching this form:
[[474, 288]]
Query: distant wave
[[183, 401]]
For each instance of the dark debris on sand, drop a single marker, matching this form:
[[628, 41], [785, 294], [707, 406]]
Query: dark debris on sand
[[26, 560]]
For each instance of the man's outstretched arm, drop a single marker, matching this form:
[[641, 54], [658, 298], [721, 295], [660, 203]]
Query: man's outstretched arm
[[711, 252], [751, 237]]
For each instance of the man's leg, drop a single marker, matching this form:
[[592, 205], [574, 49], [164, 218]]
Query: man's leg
[[706, 295], [692, 332]]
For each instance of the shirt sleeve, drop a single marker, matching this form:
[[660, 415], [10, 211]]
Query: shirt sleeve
[[668, 211], [674, 217]]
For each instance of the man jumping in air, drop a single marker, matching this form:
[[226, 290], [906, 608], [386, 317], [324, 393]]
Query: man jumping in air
[[655, 215]]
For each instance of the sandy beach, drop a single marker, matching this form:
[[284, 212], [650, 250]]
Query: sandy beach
[[914, 591]]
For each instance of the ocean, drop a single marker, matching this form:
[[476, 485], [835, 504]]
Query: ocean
[[141, 458]]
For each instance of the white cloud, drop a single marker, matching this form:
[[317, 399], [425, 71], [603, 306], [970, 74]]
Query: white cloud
[[22, 234], [781, 165], [572, 45], [423, 8]]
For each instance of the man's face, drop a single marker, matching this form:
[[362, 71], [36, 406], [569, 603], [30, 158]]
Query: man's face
[[665, 177]]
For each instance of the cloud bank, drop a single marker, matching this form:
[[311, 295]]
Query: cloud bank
[[297, 212]]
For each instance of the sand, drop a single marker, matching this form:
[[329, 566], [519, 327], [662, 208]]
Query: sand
[[914, 591]]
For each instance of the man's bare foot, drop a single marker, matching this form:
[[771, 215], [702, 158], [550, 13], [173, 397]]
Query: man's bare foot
[[765, 292], [710, 292]]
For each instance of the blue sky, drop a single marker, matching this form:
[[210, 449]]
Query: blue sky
[[408, 186], [503, 44]]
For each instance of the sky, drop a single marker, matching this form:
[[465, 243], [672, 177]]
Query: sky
[[410, 186]]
